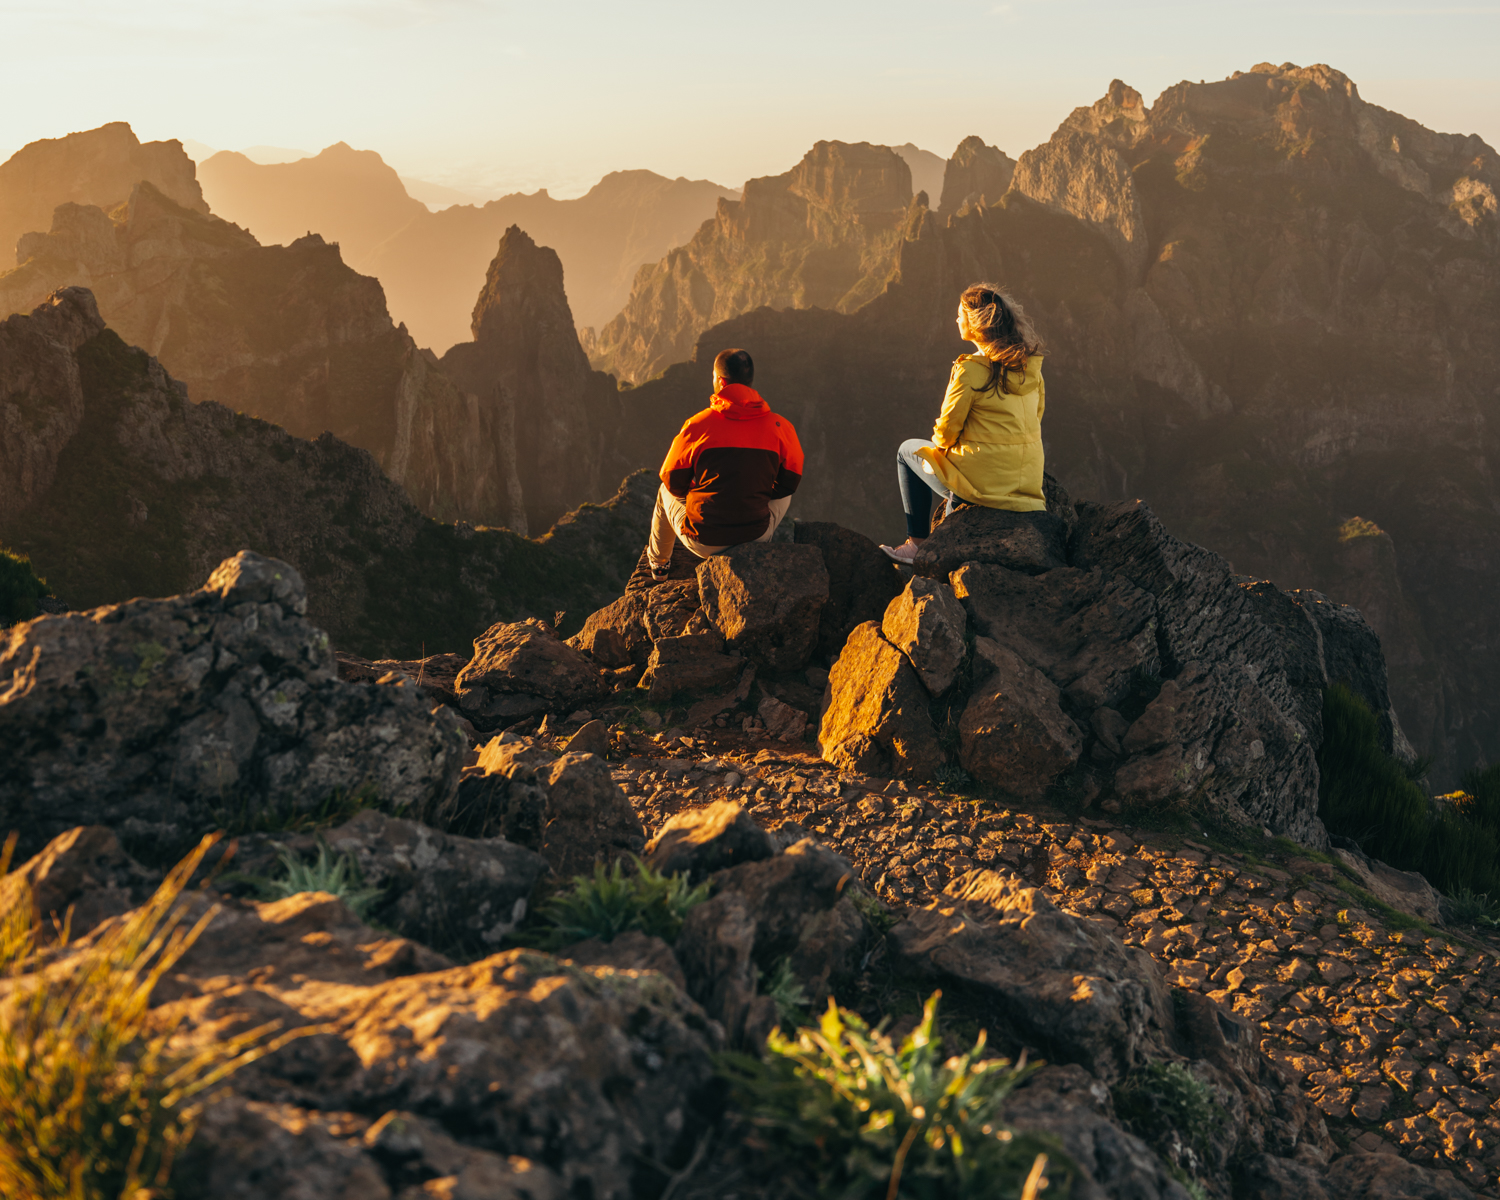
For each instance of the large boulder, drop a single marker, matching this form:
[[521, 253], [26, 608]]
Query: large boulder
[[766, 600], [1093, 636], [616, 636], [456, 894], [690, 662], [521, 669], [702, 841], [1065, 984], [1032, 542], [876, 717], [795, 908], [1013, 732], [861, 581], [163, 719], [568, 808], [927, 624], [588, 1070]]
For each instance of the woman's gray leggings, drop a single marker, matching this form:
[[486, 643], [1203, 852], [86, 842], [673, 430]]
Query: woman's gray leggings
[[912, 473]]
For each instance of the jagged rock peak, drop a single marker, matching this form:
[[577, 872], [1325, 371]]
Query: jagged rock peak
[[848, 177], [523, 290], [99, 166], [977, 172]]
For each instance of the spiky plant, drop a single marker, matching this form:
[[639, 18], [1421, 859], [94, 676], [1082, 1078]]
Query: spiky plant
[[94, 1105], [337, 876], [870, 1119], [615, 899]]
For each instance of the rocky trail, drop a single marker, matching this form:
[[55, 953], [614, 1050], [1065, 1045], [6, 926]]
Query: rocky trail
[[1388, 1023]]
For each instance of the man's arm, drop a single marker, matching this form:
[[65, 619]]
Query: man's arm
[[789, 475], [677, 467]]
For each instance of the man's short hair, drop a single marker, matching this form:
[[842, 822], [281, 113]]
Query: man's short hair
[[736, 366]]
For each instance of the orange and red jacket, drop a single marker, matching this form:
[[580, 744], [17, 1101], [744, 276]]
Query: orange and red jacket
[[728, 463]]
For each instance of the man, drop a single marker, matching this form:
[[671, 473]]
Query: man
[[730, 474]]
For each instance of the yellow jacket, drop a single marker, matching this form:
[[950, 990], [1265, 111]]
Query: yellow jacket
[[989, 444]]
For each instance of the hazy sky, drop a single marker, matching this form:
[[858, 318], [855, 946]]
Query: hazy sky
[[492, 95]]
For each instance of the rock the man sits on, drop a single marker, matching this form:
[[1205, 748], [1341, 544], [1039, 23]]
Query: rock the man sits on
[[730, 474]]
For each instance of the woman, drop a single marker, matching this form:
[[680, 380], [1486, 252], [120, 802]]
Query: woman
[[986, 446]]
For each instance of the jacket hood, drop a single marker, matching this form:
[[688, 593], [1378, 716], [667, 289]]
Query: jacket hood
[[738, 402]]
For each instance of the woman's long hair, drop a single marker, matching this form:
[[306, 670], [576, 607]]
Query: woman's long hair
[[1003, 329]]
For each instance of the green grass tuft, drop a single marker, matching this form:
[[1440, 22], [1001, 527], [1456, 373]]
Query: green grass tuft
[[1162, 1101], [617, 899], [870, 1119], [337, 876]]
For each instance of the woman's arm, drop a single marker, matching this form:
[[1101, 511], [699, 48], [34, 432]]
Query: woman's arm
[[950, 423]]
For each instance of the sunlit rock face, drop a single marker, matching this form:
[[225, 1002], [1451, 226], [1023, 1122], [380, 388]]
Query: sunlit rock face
[[823, 235], [1269, 307], [100, 167]]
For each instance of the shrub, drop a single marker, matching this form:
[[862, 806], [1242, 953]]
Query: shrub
[[337, 876], [614, 900], [873, 1120], [20, 588], [1368, 795], [93, 1106]]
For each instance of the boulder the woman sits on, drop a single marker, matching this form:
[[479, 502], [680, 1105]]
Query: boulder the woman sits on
[[986, 445]]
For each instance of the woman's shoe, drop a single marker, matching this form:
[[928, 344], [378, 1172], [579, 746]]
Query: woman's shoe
[[905, 553]]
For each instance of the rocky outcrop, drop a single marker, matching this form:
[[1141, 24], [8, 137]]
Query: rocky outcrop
[[435, 264], [100, 167], [218, 706], [568, 808], [529, 381], [115, 486], [285, 333], [976, 174], [522, 669], [1120, 236], [1136, 670], [765, 600], [820, 236], [876, 716]]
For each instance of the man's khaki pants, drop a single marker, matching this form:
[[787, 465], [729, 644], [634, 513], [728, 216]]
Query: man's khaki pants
[[666, 528]]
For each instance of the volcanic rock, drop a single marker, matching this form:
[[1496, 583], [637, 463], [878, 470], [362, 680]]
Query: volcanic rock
[[450, 893], [765, 600], [1072, 987], [792, 906], [861, 581], [875, 717], [927, 623], [567, 808], [1014, 733], [701, 841], [690, 662], [521, 669], [190, 710]]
